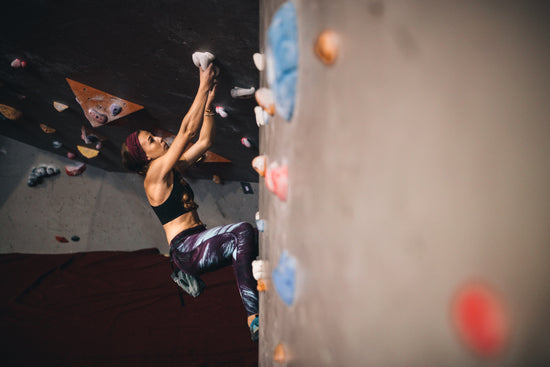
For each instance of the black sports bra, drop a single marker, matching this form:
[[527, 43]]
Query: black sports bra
[[179, 202]]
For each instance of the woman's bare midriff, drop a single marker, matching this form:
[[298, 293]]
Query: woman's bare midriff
[[181, 223]]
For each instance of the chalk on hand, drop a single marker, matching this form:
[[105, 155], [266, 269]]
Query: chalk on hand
[[238, 92], [202, 59]]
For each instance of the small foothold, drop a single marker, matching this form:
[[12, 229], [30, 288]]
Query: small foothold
[[61, 239], [276, 180], [238, 92], [202, 59], [284, 277], [262, 285], [259, 164], [260, 223], [75, 238], [97, 117], [327, 46], [247, 142], [264, 97], [87, 152], [47, 129], [480, 317], [71, 155], [57, 144], [21, 97], [60, 107], [247, 189], [259, 61], [216, 179], [279, 354], [75, 170], [99, 145], [18, 63], [260, 269], [9, 113], [115, 109], [262, 117], [221, 111]]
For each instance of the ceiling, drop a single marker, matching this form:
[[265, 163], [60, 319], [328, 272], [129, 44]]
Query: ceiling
[[139, 51]]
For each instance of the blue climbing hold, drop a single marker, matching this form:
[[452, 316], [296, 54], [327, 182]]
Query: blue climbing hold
[[282, 59], [284, 278]]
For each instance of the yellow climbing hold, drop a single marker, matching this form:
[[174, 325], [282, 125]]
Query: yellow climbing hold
[[60, 106], [9, 112], [47, 129], [87, 152]]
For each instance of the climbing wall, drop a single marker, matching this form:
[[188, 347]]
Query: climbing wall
[[413, 228], [113, 67]]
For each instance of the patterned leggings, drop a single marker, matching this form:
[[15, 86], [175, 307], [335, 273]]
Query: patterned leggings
[[196, 253]]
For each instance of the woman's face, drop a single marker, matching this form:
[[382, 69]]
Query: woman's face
[[153, 146]]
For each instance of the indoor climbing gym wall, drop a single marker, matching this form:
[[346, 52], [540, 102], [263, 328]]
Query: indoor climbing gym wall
[[404, 210]]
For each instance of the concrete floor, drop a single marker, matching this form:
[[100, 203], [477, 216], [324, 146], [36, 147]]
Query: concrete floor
[[418, 164], [107, 210]]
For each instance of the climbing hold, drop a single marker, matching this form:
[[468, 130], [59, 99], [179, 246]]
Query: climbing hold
[[87, 152], [99, 145], [282, 59], [247, 142], [259, 61], [75, 238], [98, 117], [279, 354], [61, 239], [18, 63], [221, 111], [115, 109], [57, 144], [480, 317], [60, 107], [261, 285], [276, 180], [260, 223], [238, 92], [96, 104], [202, 59], [71, 155], [216, 179], [10, 113], [247, 189], [260, 269], [38, 173], [264, 97], [89, 136], [262, 117], [259, 163], [75, 170], [327, 46], [284, 277], [47, 129]]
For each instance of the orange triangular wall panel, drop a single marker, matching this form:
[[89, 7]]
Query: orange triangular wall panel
[[99, 107]]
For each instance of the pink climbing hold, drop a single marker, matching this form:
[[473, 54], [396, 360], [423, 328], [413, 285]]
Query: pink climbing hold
[[276, 180], [71, 155], [75, 170], [18, 63], [246, 142]]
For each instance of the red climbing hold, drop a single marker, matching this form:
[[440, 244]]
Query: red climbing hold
[[61, 239], [75, 170], [276, 180], [481, 320]]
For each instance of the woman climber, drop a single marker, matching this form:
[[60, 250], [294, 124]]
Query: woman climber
[[193, 248]]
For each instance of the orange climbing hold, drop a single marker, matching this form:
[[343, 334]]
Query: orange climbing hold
[[259, 164], [264, 97], [10, 113], [327, 46], [279, 355], [480, 317], [47, 129], [262, 285], [87, 152]]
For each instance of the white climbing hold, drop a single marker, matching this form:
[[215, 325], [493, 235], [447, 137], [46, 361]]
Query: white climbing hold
[[238, 92], [260, 269], [221, 111], [202, 59], [60, 107], [259, 61]]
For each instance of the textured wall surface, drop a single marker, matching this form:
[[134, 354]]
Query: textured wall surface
[[425, 169], [136, 50]]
